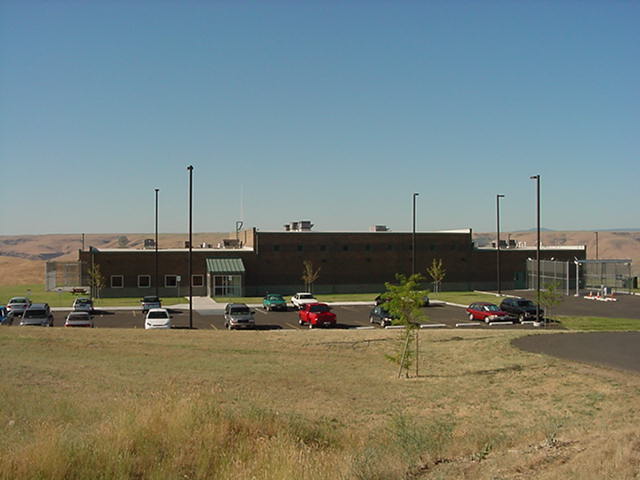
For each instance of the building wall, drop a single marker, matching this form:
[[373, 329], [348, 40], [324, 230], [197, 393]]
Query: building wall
[[348, 262]]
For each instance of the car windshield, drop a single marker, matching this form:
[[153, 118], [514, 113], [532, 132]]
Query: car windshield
[[491, 308], [277, 298], [158, 315], [238, 310], [18, 300], [78, 316], [83, 301], [305, 296], [35, 314], [150, 299], [525, 303], [319, 308]]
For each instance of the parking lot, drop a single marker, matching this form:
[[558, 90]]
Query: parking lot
[[348, 317]]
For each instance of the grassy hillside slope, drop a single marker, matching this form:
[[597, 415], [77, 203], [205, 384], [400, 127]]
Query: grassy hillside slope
[[307, 405]]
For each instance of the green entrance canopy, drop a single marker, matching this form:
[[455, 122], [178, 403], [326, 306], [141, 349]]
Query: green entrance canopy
[[225, 265]]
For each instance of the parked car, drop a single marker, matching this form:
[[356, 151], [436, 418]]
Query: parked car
[[79, 319], [157, 318], [381, 316], [238, 315], [488, 312], [83, 304], [302, 298], [521, 308], [149, 302], [17, 305], [316, 315], [274, 301], [38, 314]]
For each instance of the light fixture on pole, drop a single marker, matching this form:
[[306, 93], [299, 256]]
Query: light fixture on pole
[[537, 179], [498, 197], [156, 280], [413, 237], [190, 168]]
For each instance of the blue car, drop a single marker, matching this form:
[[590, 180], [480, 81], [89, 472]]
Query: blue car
[[5, 317]]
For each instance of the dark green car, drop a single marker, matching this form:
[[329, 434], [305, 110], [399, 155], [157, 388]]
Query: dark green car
[[274, 301]]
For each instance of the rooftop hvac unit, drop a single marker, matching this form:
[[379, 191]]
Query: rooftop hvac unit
[[379, 228], [299, 226]]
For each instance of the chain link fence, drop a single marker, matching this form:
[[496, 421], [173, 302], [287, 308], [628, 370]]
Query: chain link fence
[[600, 275], [62, 275]]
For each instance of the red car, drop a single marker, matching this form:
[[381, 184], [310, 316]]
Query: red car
[[317, 315], [487, 312]]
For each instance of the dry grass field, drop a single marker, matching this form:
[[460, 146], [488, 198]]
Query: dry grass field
[[306, 405]]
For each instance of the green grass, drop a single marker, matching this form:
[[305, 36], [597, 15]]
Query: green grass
[[123, 404], [599, 323], [37, 294]]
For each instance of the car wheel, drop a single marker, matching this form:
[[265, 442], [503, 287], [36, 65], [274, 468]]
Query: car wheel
[[521, 318], [471, 317], [310, 325], [383, 323], [300, 322], [370, 319], [486, 319]]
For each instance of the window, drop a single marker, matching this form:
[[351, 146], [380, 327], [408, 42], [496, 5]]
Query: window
[[197, 280], [276, 248], [323, 248], [170, 280], [345, 247], [389, 247], [117, 281], [144, 281], [300, 248], [367, 247]]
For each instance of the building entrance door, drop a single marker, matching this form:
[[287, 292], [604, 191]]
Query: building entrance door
[[227, 285]]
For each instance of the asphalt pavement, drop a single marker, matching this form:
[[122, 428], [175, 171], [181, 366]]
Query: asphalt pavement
[[620, 350]]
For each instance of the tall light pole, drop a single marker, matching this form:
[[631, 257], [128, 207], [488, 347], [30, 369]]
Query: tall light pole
[[190, 168], [498, 197], [537, 179], [596, 245], [156, 280], [413, 237]]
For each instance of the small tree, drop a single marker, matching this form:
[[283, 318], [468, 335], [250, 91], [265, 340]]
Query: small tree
[[309, 274], [403, 301], [550, 297], [96, 280], [437, 273], [123, 241]]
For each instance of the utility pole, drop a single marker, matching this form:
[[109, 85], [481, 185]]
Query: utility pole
[[190, 168], [498, 197], [413, 237], [156, 280], [537, 179]]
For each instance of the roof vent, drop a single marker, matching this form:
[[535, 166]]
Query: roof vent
[[299, 226], [378, 228]]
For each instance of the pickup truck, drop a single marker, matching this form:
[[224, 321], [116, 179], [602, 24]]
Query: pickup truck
[[302, 298], [316, 315]]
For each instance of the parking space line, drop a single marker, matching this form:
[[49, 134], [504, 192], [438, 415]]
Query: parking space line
[[213, 326], [259, 310], [295, 327]]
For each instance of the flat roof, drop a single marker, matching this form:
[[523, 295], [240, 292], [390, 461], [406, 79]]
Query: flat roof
[[461, 230], [533, 249], [152, 250]]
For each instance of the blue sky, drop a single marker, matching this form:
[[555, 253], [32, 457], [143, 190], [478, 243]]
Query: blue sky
[[330, 111]]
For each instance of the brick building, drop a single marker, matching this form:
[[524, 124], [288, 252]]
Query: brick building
[[264, 262]]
